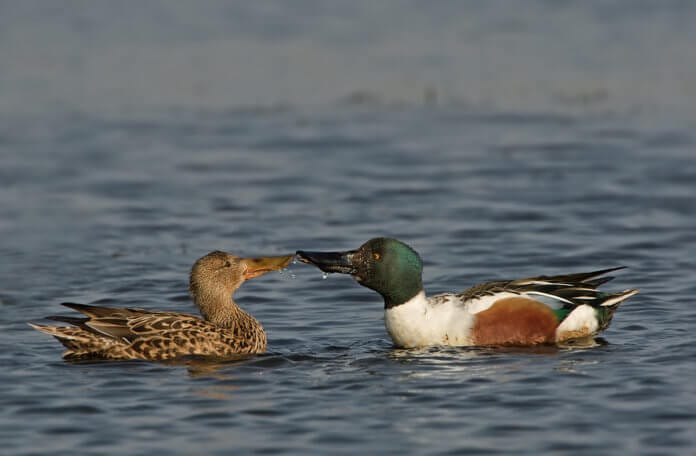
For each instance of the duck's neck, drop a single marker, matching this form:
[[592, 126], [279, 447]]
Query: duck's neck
[[402, 293], [221, 310]]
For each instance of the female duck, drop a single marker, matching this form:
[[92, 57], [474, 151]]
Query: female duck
[[128, 333], [538, 310]]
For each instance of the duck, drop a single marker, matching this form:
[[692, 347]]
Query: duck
[[541, 310], [225, 330]]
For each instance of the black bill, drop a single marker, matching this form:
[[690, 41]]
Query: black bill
[[340, 262]]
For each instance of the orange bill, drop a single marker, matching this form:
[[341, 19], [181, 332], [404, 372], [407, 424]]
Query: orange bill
[[259, 266]]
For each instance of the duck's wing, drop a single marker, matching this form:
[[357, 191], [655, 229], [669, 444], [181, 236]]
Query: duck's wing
[[561, 293], [131, 333], [541, 309], [125, 323]]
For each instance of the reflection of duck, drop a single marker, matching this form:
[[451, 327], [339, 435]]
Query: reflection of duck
[[537, 310], [126, 333]]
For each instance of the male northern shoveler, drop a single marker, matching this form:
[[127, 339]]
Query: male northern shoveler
[[127, 333], [537, 310]]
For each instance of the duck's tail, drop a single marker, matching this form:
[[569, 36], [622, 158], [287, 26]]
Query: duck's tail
[[605, 311], [80, 343]]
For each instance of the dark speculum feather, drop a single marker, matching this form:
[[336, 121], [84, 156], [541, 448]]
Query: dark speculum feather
[[572, 292], [91, 311], [581, 277], [70, 320], [594, 283]]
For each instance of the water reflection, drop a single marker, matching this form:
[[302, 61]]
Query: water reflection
[[200, 366], [486, 362]]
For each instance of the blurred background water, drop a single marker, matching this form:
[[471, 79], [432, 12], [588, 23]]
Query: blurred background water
[[500, 141]]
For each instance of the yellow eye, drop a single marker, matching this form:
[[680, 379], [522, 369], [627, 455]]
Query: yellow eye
[[376, 256]]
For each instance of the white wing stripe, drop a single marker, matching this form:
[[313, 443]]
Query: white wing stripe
[[554, 297]]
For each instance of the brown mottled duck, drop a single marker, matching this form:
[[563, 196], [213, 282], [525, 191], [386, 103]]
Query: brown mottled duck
[[127, 333]]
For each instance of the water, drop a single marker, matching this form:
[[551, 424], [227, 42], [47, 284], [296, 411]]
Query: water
[[111, 185]]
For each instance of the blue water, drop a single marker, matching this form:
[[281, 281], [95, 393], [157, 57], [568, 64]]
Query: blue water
[[499, 143]]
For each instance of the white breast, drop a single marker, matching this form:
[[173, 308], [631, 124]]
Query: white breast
[[422, 322]]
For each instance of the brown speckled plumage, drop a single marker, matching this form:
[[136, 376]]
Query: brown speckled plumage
[[128, 333]]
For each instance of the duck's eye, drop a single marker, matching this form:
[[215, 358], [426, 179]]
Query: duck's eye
[[228, 264], [376, 256]]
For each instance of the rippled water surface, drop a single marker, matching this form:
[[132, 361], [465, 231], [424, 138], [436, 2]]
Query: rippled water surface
[[112, 206]]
